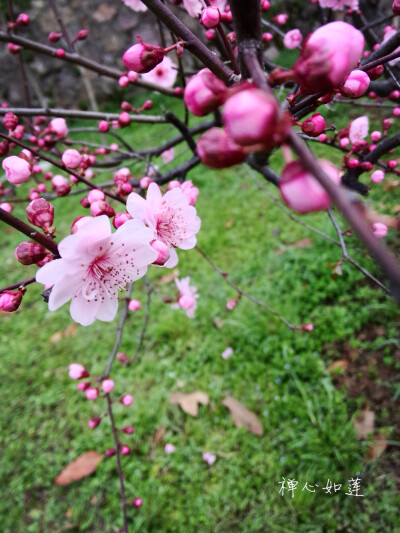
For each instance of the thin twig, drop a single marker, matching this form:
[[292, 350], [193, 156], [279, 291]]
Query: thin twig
[[149, 290], [19, 284]]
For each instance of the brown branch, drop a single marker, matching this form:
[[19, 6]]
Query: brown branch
[[17, 285]]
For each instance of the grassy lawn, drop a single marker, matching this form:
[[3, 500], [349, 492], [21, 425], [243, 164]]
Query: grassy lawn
[[279, 375]]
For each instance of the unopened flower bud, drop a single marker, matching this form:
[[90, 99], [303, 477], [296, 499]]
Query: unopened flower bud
[[10, 300], [92, 393], [94, 422], [95, 195], [204, 93], [83, 385], [210, 17], [121, 357], [162, 250], [128, 430], [107, 385], [100, 207], [379, 230], [22, 20], [292, 39], [231, 304], [17, 169], [53, 36], [134, 305], [375, 73], [58, 127], [10, 121], [81, 35], [6, 207], [377, 176], [110, 452], [314, 125], [143, 57], [145, 182], [125, 450], [13, 48], [307, 327], [126, 400], [77, 371], [376, 136], [396, 7], [217, 150], [355, 85], [30, 253], [71, 158], [137, 502]]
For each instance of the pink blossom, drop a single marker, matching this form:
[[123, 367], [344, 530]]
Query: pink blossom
[[379, 230], [77, 371], [210, 17], [292, 39], [168, 155], [71, 158], [209, 458], [358, 129], [94, 422], [187, 296], [355, 85], [338, 5], [170, 217], [231, 304], [204, 93], [164, 74], [377, 176], [226, 354], [58, 126], [92, 393], [136, 5], [6, 207], [126, 400], [94, 265], [169, 448], [190, 191], [17, 169], [193, 7], [107, 385], [162, 250], [142, 57]]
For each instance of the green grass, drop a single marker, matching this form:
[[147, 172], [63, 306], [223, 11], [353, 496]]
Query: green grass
[[278, 374]]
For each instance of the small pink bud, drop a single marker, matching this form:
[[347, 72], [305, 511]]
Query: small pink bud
[[134, 305], [107, 385], [132, 76], [77, 371], [17, 169], [95, 195], [143, 57], [128, 430], [396, 111], [394, 95], [83, 385], [120, 219], [53, 36], [301, 191], [126, 400], [322, 138], [147, 105], [92, 393], [217, 150], [10, 300], [137, 502], [100, 207], [355, 85], [145, 182], [58, 126], [81, 35], [379, 230], [22, 20], [110, 452], [366, 166], [292, 39], [267, 37], [10, 121], [71, 158], [344, 141], [29, 253], [307, 327], [377, 176], [314, 125], [210, 17], [121, 357], [265, 5], [125, 450], [162, 250], [226, 354], [13, 48], [6, 207], [169, 448], [60, 53], [123, 81], [94, 422], [375, 73], [204, 93], [392, 164], [281, 18], [126, 188], [376, 136], [124, 119], [231, 304], [103, 126], [210, 34]]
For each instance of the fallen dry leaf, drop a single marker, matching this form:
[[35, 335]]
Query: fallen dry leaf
[[189, 402], [341, 364], [81, 467], [159, 434], [218, 322], [169, 277], [242, 416], [302, 243], [364, 423], [69, 331], [56, 337], [229, 223], [390, 184], [376, 449]]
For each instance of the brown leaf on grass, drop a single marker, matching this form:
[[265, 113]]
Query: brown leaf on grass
[[218, 322], [229, 223], [396, 209], [340, 364], [242, 416], [189, 402], [390, 184], [169, 277], [364, 423], [69, 331], [81, 467], [302, 243], [159, 434], [376, 449]]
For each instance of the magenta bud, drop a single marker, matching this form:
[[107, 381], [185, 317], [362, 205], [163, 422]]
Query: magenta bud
[[137, 502], [379, 230], [10, 300], [147, 105], [29, 253], [83, 385], [375, 73], [314, 125], [143, 57], [376, 136], [210, 17], [94, 422], [162, 250], [145, 182], [40, 213], [134, 305], [355, 85], [6, 207], [396, 7], [103, 126], [10, 121], [99, 207], [120, 219], [204, 93], [92, 393], [53, 36], [124, 119], [17, 169], [217, 150], [128, 430], [77, 371], [125, 450], [122, 358], [231, 304], [22, 20], [4, 148], [13, 48], [81, 35], [366, 166], [95, 195], [71, 158], [107, 385], [110, 452], [307, 327], [377, 176], [126, 400]]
